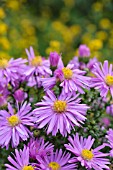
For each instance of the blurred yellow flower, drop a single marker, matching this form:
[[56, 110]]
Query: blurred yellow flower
[[2, 13], [64, 16], [110, 42], [4, 55], [95, 44], [4, 42], [91, 28], [101, 35], [57, 25], [3, 28], [69, 3], [13, 4], [105, 23], [86, 38], [97, 6], [75, 30], [54, 46]]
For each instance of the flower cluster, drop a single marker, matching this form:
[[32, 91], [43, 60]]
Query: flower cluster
[[54, 115]]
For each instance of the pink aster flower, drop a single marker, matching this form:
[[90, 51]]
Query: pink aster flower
[[103, 80], [13, 126], [12, 70], [38, 148], [84, 51], [57, 161], [20, 160], [60, 113], [38, 66], [89, 158], [110, 140]]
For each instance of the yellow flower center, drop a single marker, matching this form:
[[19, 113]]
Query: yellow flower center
[[36, 61], [3, 63], [67, 73], [59, 106], [54, 166], [13, 120], [109, 80], [87, 154], [28, 168]]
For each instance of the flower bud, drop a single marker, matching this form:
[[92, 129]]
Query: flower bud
[[54, 59], [84, 51], [19, 95]]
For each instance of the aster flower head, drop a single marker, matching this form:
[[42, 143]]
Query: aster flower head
[[89, 158], [57, 161], [84, 51], [39, 149], [103, 80], [20, 160], [54, 59], [71, 80], [13, 126], [60, 113], [12, 70], [38, 66], [74, 80]]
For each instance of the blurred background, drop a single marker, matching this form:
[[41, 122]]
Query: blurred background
[[56, 25]]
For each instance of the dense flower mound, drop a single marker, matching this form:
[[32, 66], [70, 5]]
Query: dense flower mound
[[56, 117]]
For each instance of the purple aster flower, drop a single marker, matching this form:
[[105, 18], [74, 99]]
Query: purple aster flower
[[84, 51], [110, 140], [62, 113], [13, 126], [12, 70], [71, 80], [74, 80], [20, 160], [57, 161], [89, 158], [38, 148], [103, 80], [38, 67], [54, 59]]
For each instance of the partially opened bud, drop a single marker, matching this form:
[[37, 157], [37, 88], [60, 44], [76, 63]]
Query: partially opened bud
[[19, 95]]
